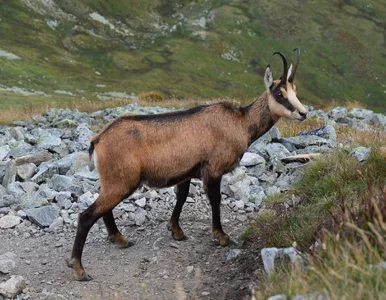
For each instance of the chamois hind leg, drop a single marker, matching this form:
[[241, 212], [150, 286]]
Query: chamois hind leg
[[113, 233], [105, 203], [212, 188], [173, 225]]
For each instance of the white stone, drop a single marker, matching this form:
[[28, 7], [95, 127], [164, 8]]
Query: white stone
[[7, 263], [141, 202], [251, 159], [9, 221], [12, 287]]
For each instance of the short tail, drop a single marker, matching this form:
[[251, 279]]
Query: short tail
[[91, 149]]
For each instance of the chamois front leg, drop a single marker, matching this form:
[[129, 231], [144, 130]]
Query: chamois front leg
[[213, 191], [173, 225]]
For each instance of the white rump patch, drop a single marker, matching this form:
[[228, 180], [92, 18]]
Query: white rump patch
[[95, 159]]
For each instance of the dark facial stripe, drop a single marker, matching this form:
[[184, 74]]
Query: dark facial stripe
[[277, 94]]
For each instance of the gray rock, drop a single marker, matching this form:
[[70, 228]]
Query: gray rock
[[84, 135], [43, 216], [56, 224], [64, 199], [272, 190], [327, 132], [275, 134], [360, 113], [9, 221], [4, 210], [251, 159], [302, 141], [7, 263], [12, 287], [232, 254], [269, 255], [378, 120], [361, 153], [127, 207], [60, 182], [47, 141], [47, 192], [94, 175], [45, 173], [25, 172], [338, 113], [258, 145], [17, 133], [278, 297], [31, 200], [276, 150], [88, 198], [4, 150], [257, 195], [10, 173], [15, 188], [240, 204], [29, 187], [78, 162], [140, 217], [8, 200]]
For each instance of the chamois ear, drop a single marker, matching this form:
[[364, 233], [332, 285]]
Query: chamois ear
[[289, 72], [268, 79]]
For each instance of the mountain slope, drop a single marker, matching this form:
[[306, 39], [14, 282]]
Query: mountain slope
[[72, 49]]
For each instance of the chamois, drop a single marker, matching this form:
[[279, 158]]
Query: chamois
[[168, 149]]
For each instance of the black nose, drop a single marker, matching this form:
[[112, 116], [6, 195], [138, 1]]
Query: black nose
[[303, 115]]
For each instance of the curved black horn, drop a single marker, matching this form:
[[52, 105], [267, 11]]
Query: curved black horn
[[292, 76], [284, 76]]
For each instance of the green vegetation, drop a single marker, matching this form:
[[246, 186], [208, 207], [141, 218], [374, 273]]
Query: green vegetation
[[343, 208], [184, 49]]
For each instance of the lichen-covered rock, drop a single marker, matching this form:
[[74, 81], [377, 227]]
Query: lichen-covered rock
[[361, 153], [338, 113], [360, 113]]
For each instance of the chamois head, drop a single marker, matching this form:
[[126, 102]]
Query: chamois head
[[282, 99]]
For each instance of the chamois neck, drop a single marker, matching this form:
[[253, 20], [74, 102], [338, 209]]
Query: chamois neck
[[259, 118]]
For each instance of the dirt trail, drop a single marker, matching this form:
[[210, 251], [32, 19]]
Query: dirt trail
[[156, 267]]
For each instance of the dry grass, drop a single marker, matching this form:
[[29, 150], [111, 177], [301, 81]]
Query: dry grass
[[151, 97], [342, 103], [8, 116]]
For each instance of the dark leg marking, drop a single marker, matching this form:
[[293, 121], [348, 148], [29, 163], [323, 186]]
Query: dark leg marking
[[173, 224], [214, 195]]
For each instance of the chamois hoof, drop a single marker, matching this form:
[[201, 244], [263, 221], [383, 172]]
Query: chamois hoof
[[120, 240], [221, 237], [82, 276], [79, 273], [177, 232]]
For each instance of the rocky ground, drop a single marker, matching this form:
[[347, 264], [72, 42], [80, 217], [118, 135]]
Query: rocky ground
[[47, 179]]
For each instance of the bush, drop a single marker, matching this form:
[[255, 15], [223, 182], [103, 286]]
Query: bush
[[151, 97]]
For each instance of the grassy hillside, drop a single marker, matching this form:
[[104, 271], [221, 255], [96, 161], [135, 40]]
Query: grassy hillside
[[71, 50]]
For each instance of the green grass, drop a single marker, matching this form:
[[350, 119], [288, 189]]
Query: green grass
[[342, 49], [343, 208]]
